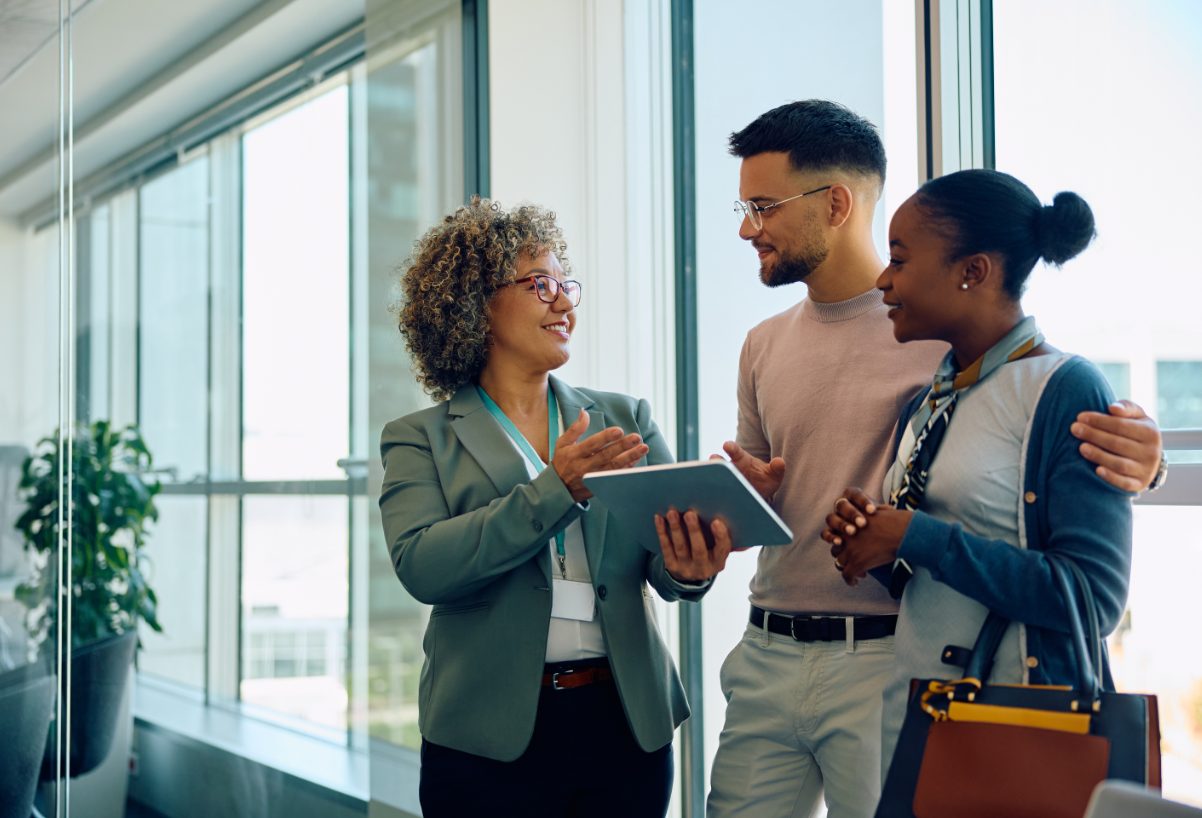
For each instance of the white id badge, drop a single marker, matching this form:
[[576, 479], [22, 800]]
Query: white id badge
[[573, 600]]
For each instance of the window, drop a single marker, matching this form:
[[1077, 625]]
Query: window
[[296, 291], [1130, 297], [232, 301], [1118, 376], [236, 306], [1179, 394], [171, 297], [296, 392], [224, 285], [295, 587]]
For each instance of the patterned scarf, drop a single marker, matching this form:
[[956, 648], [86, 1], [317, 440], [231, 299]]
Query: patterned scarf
[[925, 431]]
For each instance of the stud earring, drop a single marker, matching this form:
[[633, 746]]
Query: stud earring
[[963, 285]]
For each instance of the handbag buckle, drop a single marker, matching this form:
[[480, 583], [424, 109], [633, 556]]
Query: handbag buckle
[[936, 688]]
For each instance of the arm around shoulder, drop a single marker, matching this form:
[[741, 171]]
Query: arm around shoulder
[[1083, 516]]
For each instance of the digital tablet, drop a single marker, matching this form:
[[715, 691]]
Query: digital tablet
[[712, 488]]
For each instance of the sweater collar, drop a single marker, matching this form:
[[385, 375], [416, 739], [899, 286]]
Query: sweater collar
[[830, 312]]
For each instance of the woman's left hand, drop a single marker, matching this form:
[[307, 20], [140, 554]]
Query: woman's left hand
[[863, 535], [689, 555]]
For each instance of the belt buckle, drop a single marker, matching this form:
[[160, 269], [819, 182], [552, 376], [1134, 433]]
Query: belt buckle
[[555, 678], [818, 628]]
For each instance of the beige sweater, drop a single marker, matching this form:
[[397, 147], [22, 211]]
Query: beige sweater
[[821, 385]]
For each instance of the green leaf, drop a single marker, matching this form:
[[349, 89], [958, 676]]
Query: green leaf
[[29, 595], [108, 509]]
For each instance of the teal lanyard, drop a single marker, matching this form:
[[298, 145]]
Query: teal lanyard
[[531, 455]]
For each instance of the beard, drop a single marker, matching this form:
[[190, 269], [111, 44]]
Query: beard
[[793, 267]]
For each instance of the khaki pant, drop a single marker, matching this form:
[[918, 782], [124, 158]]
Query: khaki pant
[[802, 719]]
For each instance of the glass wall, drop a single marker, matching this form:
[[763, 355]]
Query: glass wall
[[240, 353], [45, 636], [230, 301], [35, 474], [411, 150], [1122, 134]]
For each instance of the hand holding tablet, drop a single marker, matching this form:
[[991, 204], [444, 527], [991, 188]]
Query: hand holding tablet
[[712, 488]]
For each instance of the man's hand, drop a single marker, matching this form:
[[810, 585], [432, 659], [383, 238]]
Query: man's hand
[[1125, 444], [605, 450], [763, 477], [688, 554]]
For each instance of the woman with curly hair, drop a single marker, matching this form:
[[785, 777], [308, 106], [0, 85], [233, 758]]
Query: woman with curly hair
[[546, 689]]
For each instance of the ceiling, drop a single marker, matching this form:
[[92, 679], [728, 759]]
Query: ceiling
[[26, 26], [140, 68]]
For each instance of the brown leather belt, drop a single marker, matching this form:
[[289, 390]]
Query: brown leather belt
[[569, 678]]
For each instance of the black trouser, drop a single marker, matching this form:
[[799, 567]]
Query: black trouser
[[582, 762]]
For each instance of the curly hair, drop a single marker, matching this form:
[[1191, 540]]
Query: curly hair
[[449, 278]]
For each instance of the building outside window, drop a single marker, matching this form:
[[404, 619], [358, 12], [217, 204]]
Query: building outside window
[[1179, 400]]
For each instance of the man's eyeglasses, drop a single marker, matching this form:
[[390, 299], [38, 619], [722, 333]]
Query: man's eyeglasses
[[755, 212], [548, 288]]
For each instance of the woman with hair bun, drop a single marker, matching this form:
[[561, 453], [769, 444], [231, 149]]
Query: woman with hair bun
[[987, 482]]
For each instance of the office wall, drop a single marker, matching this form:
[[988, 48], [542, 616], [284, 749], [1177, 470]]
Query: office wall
[[580, 123], [29, 322]]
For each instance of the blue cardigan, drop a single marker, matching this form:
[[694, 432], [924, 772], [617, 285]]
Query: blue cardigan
[[1067, 509]]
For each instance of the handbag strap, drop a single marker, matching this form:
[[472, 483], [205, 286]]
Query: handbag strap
[[980, 661], [1087, 639]]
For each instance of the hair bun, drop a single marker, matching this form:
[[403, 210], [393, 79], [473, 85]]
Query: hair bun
[[1064, 228]]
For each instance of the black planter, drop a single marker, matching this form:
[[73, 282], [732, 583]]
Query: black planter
[[26, 703], [99, 674]]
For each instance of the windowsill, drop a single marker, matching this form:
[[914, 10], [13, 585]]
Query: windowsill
[[1183, 488], [309, 759]]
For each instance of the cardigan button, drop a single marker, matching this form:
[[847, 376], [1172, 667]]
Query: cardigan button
[[537, 525], [1029, 497], [1032, 661], [602, 592]]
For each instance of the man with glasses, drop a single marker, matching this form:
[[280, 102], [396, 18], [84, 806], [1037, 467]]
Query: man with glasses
[[820, 389]]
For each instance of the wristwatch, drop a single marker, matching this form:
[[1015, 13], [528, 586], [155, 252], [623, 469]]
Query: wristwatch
[[1162, 473]]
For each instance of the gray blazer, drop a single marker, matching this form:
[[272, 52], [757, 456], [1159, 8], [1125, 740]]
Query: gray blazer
[[467, 530]]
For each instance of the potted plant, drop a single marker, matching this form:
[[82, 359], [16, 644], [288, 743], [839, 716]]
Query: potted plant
[[112, 502]]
